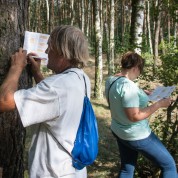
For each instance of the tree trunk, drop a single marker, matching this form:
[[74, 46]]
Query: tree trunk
[[137, 20], [59, 11], [72, 13], [111, 42], [169, 24], [123, 21], [98, 93], [156, 37], [106, 33], [162, 41], [12, 134], [51, 16], [47, 16], [175, 29], [82, 15], [88, 18], [148, 27]]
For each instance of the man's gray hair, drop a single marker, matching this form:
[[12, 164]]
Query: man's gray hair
[[71, 43]]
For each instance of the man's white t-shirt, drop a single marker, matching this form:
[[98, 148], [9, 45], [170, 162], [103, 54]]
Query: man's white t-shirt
[[56, 104]]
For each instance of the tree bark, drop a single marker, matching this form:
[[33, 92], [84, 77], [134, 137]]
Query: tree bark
[[88, 29], [175, 29], [12, 134], [111, 42], [98, 93], [156, 36], [169, 24], [72, 13], [123, 21], [82, 15], [137, 20], [162, 41], [149, 28]]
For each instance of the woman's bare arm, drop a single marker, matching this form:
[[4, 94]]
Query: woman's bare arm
[[137, 114]]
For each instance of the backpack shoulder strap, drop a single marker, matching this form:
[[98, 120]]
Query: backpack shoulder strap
[[84, 82], [57, 140], [85, 86], [111, 86]]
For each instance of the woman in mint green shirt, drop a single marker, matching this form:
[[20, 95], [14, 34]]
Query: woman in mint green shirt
[[130, 111]]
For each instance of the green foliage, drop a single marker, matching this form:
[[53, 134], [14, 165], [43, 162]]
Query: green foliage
[[121, 47], [148, 58], [105, 44], [145, 48], [45, 69], [168, 71], [166, 129], [165, 122]]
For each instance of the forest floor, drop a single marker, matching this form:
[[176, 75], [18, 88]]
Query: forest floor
[[107, 162]]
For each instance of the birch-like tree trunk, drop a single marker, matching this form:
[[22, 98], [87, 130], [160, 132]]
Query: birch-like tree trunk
[[162, 41], [82, 15], [47, 16], [122, 21], [98, 92], [137, 19], [59, 10], [51, 16], [39, 23], [88, 18], [111, 41], [12, 134], [148, 27], [168, 24], [106, 33], [157, 32], [101, 19], [175, 29], [72, 12]]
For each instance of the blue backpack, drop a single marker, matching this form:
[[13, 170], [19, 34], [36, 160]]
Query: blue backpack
[[86, 143], [85, 148]]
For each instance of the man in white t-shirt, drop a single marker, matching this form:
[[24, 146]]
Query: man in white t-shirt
[[54, 105]]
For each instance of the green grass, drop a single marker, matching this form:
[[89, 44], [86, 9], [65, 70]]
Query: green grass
[[106, 164]]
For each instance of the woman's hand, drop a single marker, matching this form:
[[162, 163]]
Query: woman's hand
[[148, 92], [164, 103]]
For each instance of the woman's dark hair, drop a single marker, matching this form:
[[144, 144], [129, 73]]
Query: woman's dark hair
[[132, 59]]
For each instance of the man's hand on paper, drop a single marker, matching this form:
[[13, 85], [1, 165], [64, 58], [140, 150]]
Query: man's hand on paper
[[35, 63]]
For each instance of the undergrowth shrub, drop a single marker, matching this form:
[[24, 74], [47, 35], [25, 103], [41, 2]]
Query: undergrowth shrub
[[165, 123]]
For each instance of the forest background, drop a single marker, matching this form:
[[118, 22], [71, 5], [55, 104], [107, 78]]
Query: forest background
[[112, 27]]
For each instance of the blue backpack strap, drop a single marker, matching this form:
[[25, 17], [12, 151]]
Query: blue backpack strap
[[84, 81], [85, 86]]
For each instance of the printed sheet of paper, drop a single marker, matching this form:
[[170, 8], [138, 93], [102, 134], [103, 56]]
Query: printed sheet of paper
[[37, 43], [161, 92]]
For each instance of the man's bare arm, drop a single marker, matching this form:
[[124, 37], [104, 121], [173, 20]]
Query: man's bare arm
[[10, 84]]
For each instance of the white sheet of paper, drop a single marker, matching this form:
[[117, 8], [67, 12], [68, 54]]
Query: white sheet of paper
[[161, 92], [37, 43]]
